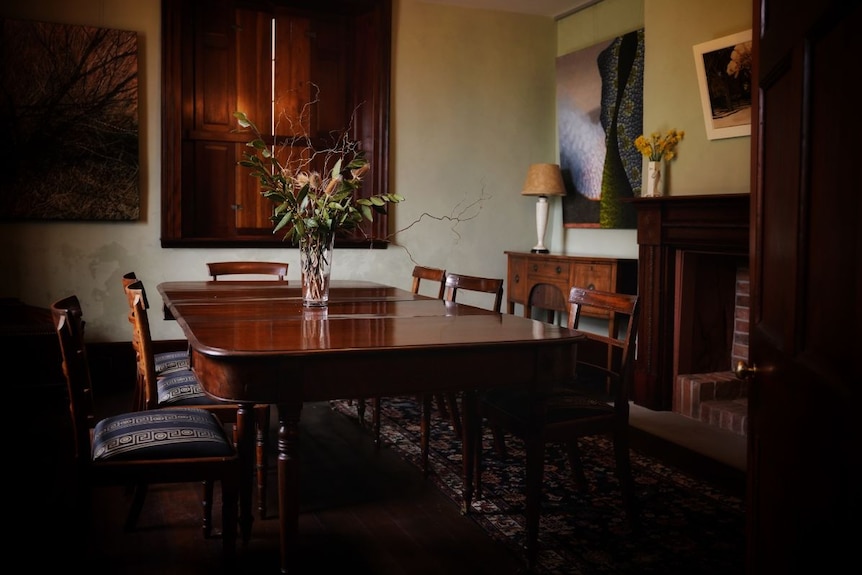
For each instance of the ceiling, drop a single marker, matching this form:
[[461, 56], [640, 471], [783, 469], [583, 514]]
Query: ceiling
[[550, 8]]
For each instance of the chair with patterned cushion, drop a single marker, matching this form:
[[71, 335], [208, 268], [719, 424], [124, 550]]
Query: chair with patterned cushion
[[594, 402], [172, 445], [165, 361], [181, 388], [455, 284]]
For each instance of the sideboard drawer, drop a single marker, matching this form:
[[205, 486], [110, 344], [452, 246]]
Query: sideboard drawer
[[594, 276], [552, 272]]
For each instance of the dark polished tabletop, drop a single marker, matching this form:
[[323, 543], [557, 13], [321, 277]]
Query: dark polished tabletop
[[254, 342]]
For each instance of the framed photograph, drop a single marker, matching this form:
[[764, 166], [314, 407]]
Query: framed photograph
[[724, 76]]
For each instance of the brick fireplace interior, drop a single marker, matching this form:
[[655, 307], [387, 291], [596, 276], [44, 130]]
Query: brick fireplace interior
[[712, 311]]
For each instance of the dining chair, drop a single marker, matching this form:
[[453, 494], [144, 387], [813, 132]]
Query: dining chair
[[420, 273], [594, 402], [453, 285], [181, 388], [139, 448], [245, 268], [165, 362]]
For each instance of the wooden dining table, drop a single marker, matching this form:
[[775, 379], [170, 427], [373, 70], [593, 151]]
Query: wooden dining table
[[253, 342]]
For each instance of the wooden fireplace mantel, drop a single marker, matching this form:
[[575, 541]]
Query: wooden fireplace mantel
[[667, 227]]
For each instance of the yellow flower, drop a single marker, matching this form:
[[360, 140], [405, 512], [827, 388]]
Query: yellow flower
[[657, 146]]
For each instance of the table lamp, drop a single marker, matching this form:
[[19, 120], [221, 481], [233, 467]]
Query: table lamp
[[543, 180]]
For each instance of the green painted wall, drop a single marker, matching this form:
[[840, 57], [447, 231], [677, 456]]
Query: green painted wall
[[473, 105]]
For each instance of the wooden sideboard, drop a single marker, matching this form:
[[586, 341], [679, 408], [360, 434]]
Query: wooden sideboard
[[544, 280]]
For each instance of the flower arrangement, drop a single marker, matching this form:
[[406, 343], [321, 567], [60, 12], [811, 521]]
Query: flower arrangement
[[312, 205], [306, 201], [659, 146]]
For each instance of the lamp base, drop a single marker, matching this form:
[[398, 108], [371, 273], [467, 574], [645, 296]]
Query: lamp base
[[540, 251]]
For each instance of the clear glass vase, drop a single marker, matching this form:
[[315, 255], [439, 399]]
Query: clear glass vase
[[315, 259]]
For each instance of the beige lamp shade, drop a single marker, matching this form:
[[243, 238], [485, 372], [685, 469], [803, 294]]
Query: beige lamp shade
[[544, 180]]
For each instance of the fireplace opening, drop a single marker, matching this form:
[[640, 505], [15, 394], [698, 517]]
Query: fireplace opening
[[711, 315]]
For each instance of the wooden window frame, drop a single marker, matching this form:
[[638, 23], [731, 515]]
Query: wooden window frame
[[199, 151]]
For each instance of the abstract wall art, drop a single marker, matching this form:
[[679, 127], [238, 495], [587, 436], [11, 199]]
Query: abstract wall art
[[600, 113]]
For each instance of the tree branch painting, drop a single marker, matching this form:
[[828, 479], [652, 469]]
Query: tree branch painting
[[69, 112]]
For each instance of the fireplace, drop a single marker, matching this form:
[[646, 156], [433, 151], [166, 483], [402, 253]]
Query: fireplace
[[692, 264]]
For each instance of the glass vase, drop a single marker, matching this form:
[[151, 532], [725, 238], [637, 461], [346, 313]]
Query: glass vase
[[315, 259]]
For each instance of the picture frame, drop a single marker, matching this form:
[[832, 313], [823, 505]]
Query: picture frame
[[724, 77]]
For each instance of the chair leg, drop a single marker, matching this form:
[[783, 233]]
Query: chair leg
[[574, 453], [230, 517], [375, 421], [207, 504], [138, 496], [425, 431], [624, 474], [499, 440], [261, 461], [360, 410], [535, 451], [454, 413], [477, 452], [441, 405]]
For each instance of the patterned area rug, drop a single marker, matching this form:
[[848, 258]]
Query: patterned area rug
[[688, 526]]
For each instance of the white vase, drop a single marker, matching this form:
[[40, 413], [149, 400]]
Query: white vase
[[315, 259], [655, 179]]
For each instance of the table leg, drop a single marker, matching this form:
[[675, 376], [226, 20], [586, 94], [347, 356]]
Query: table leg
[[288, 479], [245, 449], [469, 431]]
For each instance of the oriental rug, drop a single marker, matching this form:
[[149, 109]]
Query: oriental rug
[[688, 526]]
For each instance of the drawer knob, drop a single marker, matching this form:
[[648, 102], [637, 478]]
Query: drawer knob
[[559, 270], [517, 278], [591, 287], [535, 268]]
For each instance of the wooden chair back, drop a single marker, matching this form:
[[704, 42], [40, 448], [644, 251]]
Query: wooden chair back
[[430, 274], [461, 282], [611, 355], [277, 269], [147, 376], [70, 329]]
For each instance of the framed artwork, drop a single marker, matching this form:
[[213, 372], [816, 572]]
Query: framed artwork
[[724, 77], [599, 115], [70, 122]]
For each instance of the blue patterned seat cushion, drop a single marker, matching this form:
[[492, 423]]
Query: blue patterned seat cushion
[[182, 388], [171, 361], [160, 433]]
